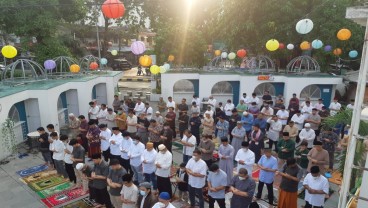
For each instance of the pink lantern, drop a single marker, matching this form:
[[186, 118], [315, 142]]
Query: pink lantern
[[138, 47]]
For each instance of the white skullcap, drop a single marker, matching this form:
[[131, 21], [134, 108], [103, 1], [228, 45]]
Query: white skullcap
[[245, 113], [79, 166], [161, 147], [307, 125], [71, 114]]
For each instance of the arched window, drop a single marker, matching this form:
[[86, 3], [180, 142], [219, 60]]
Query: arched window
[[59, 104], [222, 88], [183, 86], [14, 114], [312, 91], [261, 88]]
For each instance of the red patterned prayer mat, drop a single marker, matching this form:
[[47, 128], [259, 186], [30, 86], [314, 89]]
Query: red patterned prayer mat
[[65, 197]]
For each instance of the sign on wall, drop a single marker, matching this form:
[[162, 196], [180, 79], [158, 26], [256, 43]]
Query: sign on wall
[[266, 77]]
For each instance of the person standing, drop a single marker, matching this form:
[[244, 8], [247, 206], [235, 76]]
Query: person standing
[[206, 146], [83, 129], [233, 119], [183, 107], [197, 171], [116, 103], [93, 111], [195, 123], [298, 119], [222, 127], [229, 106], [74, 124], [307, 134], [142, 128], [286, 148], [99, 175], [183, 121], [307, 110], [212, 102], [105, 135], [45, 146], [226, 156], [261, 121], [242, 186], [125, 146], [129, 192], [164, 201], [245, 157], [115, 181], [155, 133], [170, 118], [114, 144], [163, 169], [318, 157], [189, 144], [57, 147], [274, 131], [78, 156], [319, 105], [135, 153], [67, 159], [207, 124], [132, 121], [146, 198], [167, 136], [161, 105], [238, 134], [148, 164], [110, 118], [288, 192], [139, 107], [93, 136], [268, 166], [216, 182], [301, 154], [182, 181], [256, 142], [121, 120], [87, 182], [316, 187], [102, 113], [292, 130], [334, 107], [170, 103], [314, 120], [283, 115], [241, 107], [158, 118], [247, 120], [329, 140], [254, 109], [148, 111]]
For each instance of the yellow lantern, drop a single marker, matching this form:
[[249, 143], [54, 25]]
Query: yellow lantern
[[337, 51], [217, 52], [9, 51], [155, 69], [344, 34], [272, 45], [305, 45], [145, 61], [171, 58], [74, 68]]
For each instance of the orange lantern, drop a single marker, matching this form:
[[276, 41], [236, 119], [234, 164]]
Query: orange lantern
[[145, 61], [241, 53], [74, 68], [305, 45], [93, 66], [217, 52], [344, 34], [113, 9], [337, 51], [171, 58]]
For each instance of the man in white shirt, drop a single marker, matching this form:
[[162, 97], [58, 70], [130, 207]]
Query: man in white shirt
[[229, 106], [139, 107], [102, 113], [93, 111], [135, 152], [350, 106], [245, 157], [212, 102], [274, 131], [254, 98], [209, 111], [246, 99], [267, 111], [316, 188], [105, 135], [132, 121], [307, 109], [298, 119], [170, 103], [125, 146], [148, 164], [319, 105], [58, 147], [115, 142], [163, 167], [283, 116], [196, 100], [334, 107], [149, 111], [307, 134], [188, 141], [197, 171]]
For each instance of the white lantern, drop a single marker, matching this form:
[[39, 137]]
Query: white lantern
[[290, 46], [231, 55], [224, 55], [304, 26]]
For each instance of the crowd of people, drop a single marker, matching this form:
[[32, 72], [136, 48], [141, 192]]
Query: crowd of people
[[131, 149]]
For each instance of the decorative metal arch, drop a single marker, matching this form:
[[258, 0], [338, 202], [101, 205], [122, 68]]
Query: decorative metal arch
[[259, 63], [63, 64], [23, 71], [303, 64], [85, 61]]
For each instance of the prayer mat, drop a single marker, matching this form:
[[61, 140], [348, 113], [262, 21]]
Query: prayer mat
[[336, 178], [54, 190], [64, 197], [39, 176], [180, 204], [46, 183], [32, 170], [82, 203]]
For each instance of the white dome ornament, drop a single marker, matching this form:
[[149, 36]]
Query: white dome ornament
[[304, 26]]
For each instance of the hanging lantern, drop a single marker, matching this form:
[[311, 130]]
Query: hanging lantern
[[162, 69], [103, 61], [304, 26], [231, 56], [305, 45], [167, 66], [224, 55], [290, 46], [344, 34], [328, 48], [113, 9], [217, 52], [171, 58], [337, 51], [281, 46], [317, 44], [49, 64], [114, 52], [145, 61], [93, 66], [138, 47], [272, 45], [9, 51], [241, 53], [154, 69], [353, 54], [74, 68]]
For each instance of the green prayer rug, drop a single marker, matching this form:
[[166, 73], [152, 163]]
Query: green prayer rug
[[53, 190], [82, 203], [46, 183]]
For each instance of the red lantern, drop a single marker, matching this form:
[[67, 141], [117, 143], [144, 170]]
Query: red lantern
[[113, 9], [241, 53], [281, 46], [93, 66]]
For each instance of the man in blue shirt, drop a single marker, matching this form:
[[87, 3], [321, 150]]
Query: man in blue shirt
[[268, 166], [262, 122], [217, 182], [247, 120]]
